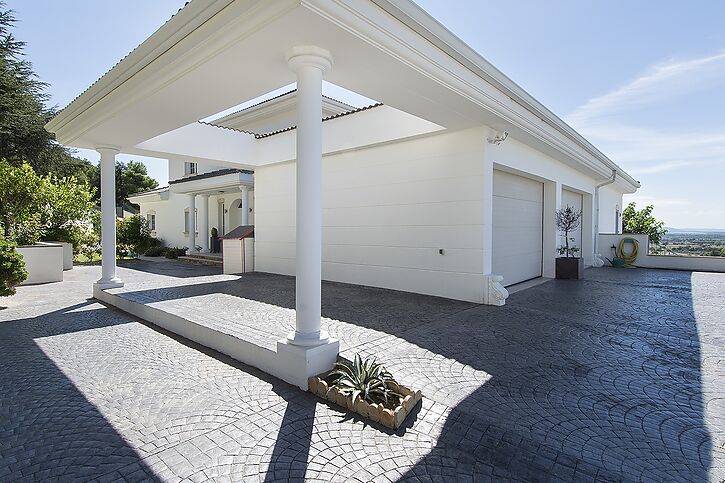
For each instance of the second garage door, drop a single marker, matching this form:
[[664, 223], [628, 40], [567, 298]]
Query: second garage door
[[517, 227]]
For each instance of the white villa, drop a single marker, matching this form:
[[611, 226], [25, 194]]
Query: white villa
[[445, 185]]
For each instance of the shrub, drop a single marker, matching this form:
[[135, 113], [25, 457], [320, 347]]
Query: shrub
[[175, 252], [368, 380], [20, 203], [69, 213], [155, 251], [133, 235], [12, 268], [643, 222], [34, 207]]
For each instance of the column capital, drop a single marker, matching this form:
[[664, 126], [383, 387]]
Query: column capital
[[109, 149], [309, 55]]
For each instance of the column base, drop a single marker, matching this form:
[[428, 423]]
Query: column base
[[598, 260], [104, 284], [494, 293], [298, 363], [295, 338]]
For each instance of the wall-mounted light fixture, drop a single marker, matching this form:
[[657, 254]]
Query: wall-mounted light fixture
[[498, 138]]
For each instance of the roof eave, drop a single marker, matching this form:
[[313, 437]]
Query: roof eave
[[181, 24], [433, 31]]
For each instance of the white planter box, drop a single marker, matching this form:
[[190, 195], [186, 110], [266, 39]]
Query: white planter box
[[67, 254], [44, 262]]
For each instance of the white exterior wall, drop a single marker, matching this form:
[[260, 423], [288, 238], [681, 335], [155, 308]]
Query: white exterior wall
[[387, 211], [170, 216], [609, 200], [521, 159], [176, 168]]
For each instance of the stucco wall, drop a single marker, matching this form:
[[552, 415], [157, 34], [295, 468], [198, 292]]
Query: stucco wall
[[170, 215], [609, 200], [387, 211], [176, 168]]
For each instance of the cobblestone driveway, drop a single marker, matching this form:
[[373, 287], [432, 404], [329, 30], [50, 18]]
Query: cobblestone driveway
[[619, 377]]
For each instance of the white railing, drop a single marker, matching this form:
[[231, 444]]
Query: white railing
[[674, 262]]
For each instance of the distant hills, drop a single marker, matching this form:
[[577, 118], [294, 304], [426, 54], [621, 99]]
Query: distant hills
[[698, 231]]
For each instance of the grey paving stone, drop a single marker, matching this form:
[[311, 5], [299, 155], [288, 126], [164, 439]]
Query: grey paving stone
[[618, 377]]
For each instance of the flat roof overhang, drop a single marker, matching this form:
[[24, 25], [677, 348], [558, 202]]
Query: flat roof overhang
[[212, 184], [216, 54]]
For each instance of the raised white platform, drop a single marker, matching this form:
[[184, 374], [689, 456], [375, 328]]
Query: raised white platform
[[254, 333]]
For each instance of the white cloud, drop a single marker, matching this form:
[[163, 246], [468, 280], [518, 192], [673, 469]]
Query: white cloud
[[633, 146], [649, 150], [662, 81]]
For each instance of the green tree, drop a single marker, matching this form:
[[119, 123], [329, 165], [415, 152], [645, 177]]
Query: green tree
[[34, 207], [133, 234], [134, 179], [130, 178], [23, 113], [21, 203], [70, 211], [12, 268], [642, 222]]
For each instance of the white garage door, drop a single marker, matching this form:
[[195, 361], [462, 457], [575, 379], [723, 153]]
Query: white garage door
[[518, 204], [570, 198]]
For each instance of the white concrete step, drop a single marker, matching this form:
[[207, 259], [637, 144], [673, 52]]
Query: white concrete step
[[202, 260]]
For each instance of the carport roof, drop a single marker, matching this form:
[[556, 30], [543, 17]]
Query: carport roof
[[215, 54]]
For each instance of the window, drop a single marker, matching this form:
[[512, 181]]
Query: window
[[190, 168], [186, 221], [151, 220]]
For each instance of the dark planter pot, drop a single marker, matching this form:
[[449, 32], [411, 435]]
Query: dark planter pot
[[569, 268], [216, 244]]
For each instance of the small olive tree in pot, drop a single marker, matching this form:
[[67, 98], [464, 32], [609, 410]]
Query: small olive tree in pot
[[568, 264]]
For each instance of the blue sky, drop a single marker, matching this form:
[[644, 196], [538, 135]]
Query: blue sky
[[644, 81]]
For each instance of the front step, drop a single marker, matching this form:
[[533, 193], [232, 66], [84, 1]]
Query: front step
[[199, 259]]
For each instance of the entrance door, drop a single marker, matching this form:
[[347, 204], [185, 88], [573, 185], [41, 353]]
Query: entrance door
[[518, 205]]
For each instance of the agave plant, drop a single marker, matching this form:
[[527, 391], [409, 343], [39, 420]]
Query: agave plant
[[367, 379]]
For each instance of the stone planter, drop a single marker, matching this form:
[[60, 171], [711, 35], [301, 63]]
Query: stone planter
[[43, 261], [392, 419], [67, 254]]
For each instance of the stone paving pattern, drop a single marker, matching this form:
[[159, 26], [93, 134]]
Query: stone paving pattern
[[618, 377]]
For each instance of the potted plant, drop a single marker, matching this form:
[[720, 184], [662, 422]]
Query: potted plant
[[568, 266], [366, 388], [215, 242]]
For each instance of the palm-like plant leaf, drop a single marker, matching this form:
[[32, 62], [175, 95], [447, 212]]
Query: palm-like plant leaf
[[366, 379]]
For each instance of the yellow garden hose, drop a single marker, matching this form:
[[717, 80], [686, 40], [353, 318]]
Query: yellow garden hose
[[628, 258]]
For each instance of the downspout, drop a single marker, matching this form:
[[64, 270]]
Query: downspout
[[597, 256]]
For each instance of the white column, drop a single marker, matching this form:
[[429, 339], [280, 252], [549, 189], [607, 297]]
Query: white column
[[108, 219], [245, 205], [494, 292], [192, 224], [552, 238], [309, 63], [204, 224]]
